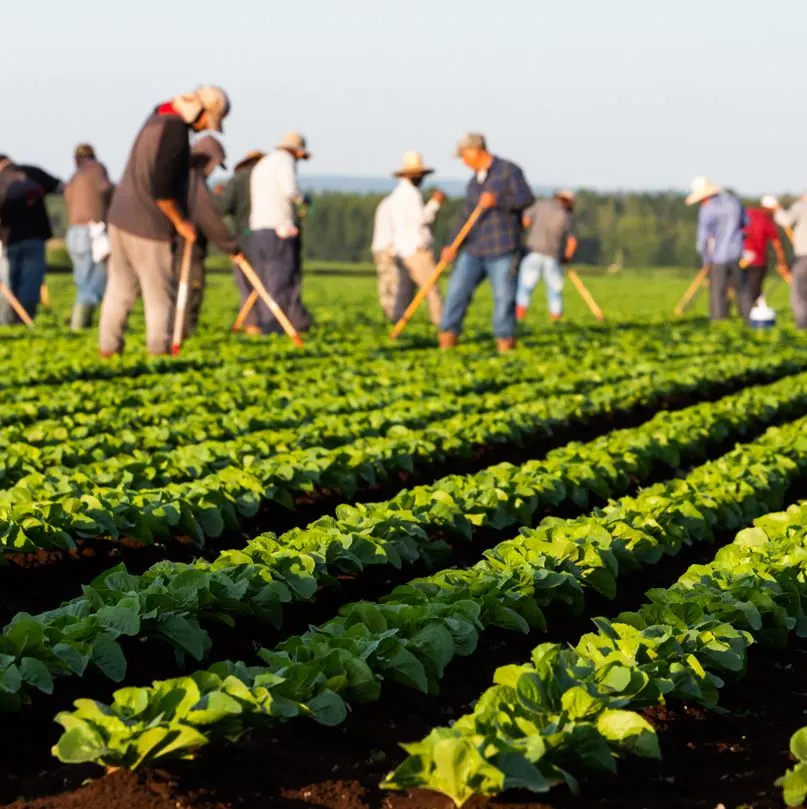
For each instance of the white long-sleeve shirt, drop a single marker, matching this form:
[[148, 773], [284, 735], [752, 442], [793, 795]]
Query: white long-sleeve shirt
[[795, 217], [411, 219], [273, 192], [382, 227]]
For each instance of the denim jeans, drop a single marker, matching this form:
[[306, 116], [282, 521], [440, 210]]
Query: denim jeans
[[535, 266], [89, 276], [25, 273], [469, 272]]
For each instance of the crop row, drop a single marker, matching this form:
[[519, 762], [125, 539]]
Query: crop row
[[51, 511], [419, 628], [575, 706], [194, 443], [172, 601]]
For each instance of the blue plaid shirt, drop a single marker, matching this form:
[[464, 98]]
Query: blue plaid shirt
[[498, 230]]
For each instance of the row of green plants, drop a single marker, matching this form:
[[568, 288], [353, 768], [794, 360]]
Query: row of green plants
[[52, 511], [573, 707], [415, 632], [171, 439], [174, 602], [156, 456]]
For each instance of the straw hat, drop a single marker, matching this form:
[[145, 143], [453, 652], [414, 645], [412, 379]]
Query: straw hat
[[296, 143], [413, 166], [251, 157], [702, 189], [566, 194], [770, 202]]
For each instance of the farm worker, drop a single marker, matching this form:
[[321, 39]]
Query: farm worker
[[148, 211], [759, 233], [234, 199], [274, 243], [411, 231], [796, 217], [550, 242], [493, 246], [87, 194], [386, 262], [26, 228], [207, 154], [721, 220]]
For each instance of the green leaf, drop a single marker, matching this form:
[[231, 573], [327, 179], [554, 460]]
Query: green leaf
[[630, 732], [108, 656]]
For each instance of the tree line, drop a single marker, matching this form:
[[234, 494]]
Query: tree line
[[631, 229]]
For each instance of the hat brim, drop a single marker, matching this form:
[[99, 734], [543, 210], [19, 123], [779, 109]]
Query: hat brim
[[422, 172], [699, 196], [305, 154], [252, 157]]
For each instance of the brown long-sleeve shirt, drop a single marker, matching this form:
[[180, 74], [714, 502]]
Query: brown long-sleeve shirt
[[204, 214], [88, 193]]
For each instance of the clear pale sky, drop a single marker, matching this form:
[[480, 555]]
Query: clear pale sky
[[595, 93]]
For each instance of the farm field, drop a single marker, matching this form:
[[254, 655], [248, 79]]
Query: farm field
[[246, 576]]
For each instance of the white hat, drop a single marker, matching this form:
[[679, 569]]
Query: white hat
[[769, 201], [210, 99], [413, 166], [702, 189], [296, 143]]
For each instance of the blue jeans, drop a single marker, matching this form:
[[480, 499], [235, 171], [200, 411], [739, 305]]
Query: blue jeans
[[89, 276], [25, 275], [469, 272], [533, 267]]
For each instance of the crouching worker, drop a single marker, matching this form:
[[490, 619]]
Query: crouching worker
[[206, 155]]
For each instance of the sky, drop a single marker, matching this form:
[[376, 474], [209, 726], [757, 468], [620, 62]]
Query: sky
[[606, 94]]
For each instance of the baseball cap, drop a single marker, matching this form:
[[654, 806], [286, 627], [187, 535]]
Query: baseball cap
[[769, 201], [84, 150], [210, 151], [471, 140], [216, 103]]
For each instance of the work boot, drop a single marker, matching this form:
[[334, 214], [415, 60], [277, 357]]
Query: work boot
[[447, 339], [81, 317], [521, 312], [504, 344]]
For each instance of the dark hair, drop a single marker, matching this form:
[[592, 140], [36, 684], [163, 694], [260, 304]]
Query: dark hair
[[84, 151], [4, 157]]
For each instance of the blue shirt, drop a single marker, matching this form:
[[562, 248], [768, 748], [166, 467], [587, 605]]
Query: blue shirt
[[720, 229], [498, 230]]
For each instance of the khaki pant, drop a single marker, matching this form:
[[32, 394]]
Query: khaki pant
[[387, 268], [144, 266], [420, 267]]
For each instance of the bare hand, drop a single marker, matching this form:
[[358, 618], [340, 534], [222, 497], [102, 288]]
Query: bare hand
[[448, 255], [237, 257], [783, 270], [439, 196], [487, 200], [187, 230]]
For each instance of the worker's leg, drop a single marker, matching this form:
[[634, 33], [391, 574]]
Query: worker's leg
[[243, 286], [153, 264], [28, 273], [503, 274], [420, 266], [79, 248], [798, 292], [529, 274], [387, 269], [718, 292], [756, 277], [469, 272], [120, 297], [6, 312], [280, 276], [196, 293], [553, 279], [739, 282], [404, 290], [297, 312], [15, 267]]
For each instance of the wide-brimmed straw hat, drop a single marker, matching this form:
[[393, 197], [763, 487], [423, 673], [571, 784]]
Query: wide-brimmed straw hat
[[250, 157], [702, 189], [296, 143], [413, 166], [567, 194]]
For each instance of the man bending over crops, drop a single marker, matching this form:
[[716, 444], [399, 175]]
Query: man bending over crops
[[149, 210], [493, 247], [206, 155]]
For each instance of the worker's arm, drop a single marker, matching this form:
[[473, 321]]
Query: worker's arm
[[517, 195], [288, 182], [705, 232], [225, 200], [431, 208], [571, 247], [211, 223], [170, 172], [51, 184], [786, 219]]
